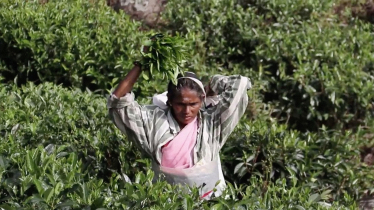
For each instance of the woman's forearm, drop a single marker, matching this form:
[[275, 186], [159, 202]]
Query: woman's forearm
[[126, 85]]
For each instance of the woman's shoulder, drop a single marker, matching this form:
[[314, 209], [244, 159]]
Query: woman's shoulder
[[155, 109], [207, 114], [154, 112]]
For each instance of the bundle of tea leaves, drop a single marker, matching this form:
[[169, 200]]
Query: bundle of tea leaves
[[165, 55]]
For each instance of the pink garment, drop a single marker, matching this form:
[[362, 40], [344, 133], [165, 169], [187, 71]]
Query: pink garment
[[177, 153]]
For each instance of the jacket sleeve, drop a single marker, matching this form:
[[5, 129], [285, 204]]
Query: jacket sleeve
[[134, 120], [233, 101]]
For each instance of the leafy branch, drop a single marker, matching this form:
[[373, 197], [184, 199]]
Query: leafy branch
[[165, 55]]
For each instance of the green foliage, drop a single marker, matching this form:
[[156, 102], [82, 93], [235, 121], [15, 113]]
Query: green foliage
[[59, 148], [311, 70], [165, 57], [313, 82], [271, 152], [75, 43]]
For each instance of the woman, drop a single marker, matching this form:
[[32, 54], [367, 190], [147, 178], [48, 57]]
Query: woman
[[183, 133]]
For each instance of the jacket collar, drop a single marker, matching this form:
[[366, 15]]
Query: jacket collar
[[174, 126]]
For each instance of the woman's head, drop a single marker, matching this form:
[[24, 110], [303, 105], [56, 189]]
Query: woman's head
[[186, 98]]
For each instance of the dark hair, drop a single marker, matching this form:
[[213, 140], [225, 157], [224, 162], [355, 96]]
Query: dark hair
[[174, 90]]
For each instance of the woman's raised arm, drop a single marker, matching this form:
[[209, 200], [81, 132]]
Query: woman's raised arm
[[126, 85]]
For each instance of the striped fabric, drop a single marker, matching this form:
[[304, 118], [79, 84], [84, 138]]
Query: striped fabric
[[150, 127]]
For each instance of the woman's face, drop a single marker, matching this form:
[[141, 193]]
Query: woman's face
[[186, 106]]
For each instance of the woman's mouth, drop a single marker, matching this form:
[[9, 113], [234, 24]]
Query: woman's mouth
[[186, 118]]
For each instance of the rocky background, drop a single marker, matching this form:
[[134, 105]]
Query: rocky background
[[147, 11]]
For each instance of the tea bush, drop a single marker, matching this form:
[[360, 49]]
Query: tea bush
[[310, 68], [312, 92], [59, 148], [270, 151], [82, 44]]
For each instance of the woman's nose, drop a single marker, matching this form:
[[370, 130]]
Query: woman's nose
[[186, 109]]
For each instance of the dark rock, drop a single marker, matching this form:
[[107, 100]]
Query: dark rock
[[147, 11]]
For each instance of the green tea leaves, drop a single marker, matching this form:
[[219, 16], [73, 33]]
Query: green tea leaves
[[166, 56], [76, 158], [297, 147]]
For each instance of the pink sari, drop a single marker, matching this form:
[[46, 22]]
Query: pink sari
[[177, 152]]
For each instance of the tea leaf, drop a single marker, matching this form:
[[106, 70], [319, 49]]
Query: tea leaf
[[314, 198], [166, 54]]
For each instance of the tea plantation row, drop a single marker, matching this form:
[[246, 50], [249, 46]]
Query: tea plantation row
[[59, 149], [311, 68], [296, 148]]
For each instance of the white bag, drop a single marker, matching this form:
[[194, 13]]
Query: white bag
[[203, 176]]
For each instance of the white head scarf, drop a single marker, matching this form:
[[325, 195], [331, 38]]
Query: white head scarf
[[160, 100]]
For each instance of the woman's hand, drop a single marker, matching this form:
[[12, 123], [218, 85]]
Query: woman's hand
[[209, 91], [146, 48]]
